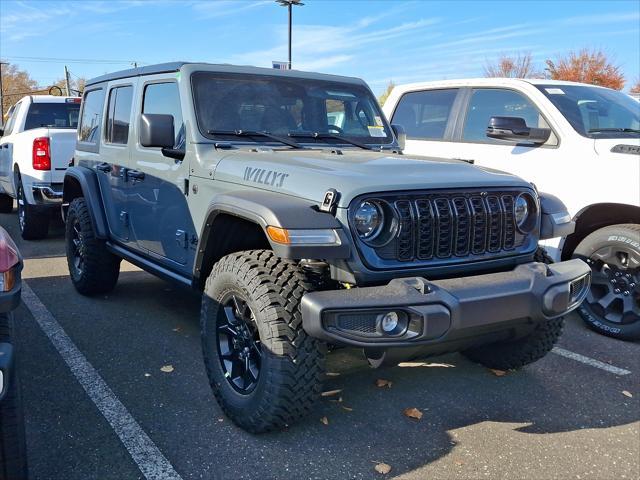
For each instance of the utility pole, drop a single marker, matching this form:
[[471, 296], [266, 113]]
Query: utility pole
[[1, 95], [289, 4], [66, 80]]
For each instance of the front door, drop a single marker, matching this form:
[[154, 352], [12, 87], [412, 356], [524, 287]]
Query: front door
[[160, 216]]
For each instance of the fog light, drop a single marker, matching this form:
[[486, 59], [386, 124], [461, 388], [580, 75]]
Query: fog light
[[388, 322]]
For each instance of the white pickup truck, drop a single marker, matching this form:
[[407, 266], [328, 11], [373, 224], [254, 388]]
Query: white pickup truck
[[579, 142], [36, 145]]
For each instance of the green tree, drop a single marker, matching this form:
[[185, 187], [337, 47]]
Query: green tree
[[383, 97]]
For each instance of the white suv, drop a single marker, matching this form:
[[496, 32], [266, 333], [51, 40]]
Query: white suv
[[579, 142]]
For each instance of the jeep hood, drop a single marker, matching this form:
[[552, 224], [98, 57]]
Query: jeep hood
[[309, 174]]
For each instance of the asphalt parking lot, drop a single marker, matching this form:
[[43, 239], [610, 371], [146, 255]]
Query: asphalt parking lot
[[98, 405]]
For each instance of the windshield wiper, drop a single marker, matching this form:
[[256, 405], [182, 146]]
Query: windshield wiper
[[330, 136], [621, 130], [251, 133]]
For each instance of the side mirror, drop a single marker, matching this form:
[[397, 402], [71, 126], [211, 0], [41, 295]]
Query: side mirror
[[515, 129], [156, 130], [401, 135]]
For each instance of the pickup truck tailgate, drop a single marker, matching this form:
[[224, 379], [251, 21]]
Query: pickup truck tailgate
[[62, 143]]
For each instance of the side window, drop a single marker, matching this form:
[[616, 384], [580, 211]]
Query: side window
[[494, 102], [91, 118], [164, 98], [119, 115], [424, 115], [11, 119]]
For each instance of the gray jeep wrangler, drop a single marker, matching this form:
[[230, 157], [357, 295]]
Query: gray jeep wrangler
[[285, 199]]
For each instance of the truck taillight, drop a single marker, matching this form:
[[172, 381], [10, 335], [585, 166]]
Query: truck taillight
[[41, 154], [8, 261]]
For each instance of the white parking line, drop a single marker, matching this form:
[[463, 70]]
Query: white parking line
[[590, 361], [152, 463]]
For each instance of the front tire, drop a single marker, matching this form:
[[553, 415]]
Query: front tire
[[264, 370], [512, 355], [6, 203], [34, 225], [612, 306], [93, 269], [13, 450]]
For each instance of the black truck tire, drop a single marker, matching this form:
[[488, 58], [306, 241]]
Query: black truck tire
[[612, 306], [34, 225], [13, 450], [512, 355], [93, 269], [6, 203], [258, 295]]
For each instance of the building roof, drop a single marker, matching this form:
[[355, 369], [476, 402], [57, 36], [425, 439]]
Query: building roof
[[177, 66]]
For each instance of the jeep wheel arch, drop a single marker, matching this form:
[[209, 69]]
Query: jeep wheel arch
[[243, 217], [597, 216], [82, 182]]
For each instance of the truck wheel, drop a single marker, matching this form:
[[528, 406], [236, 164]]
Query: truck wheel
[[33, 225], [512, 355], [612, 306], [93, 269], [13, 451], [6, 203], [264, 370]]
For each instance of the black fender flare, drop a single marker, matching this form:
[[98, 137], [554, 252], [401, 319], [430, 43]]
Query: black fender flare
[[88, 181], [265, 209]]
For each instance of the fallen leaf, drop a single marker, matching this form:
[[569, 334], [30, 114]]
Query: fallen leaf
[[332, 374], [325, 420], [147, 374], [412, 413], [498, 373], [167, 369], [221, 419], [382, 468], [177, 329], [331, 393], [627, 394], [348, 409], [383, 383]]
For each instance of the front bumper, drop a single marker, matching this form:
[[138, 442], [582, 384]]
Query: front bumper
[[447, 311]]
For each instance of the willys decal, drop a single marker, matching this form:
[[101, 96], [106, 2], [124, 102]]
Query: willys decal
[[265, 177]]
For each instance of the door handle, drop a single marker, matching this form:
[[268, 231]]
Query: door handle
[[135, 174], [103, 167]]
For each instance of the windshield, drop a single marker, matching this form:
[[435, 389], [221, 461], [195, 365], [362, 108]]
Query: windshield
[[312, 111], [56, 115], [596, 112]]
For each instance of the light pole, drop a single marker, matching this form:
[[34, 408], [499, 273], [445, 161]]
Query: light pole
[[289, 4]]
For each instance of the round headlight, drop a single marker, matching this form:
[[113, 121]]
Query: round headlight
[[368, 220], [521, 210], [524, 211]]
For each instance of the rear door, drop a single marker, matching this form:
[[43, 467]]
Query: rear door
[[429, 118]]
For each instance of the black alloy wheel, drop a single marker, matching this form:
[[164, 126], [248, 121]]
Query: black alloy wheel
[[239, 346], [78, 250], [615, 285]]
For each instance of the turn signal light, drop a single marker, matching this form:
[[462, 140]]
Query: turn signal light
[[41, 156]]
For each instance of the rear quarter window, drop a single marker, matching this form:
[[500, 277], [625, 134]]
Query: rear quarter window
[[89, 129]]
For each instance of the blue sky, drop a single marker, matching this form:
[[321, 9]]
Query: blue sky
[[376, 40]]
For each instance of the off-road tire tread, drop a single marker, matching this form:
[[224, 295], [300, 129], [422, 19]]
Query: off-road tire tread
[[101, 267], [6, 203], [294, 385], [512, 355], [13, 454]]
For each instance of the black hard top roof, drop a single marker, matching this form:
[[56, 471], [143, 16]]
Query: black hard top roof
[[177, 66]]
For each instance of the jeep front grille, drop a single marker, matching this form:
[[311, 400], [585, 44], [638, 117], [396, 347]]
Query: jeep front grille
[[450, 226]]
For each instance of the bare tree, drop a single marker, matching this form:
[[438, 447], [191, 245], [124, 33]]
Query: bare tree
[[15, 85], [587, 66], [636, 87], [518, 66]]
